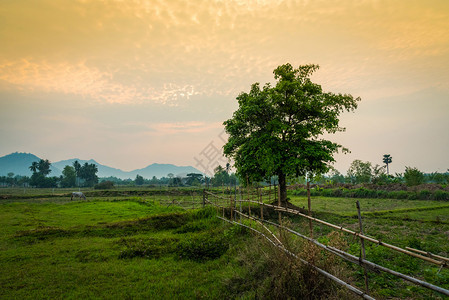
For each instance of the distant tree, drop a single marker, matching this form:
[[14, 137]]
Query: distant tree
[[154, 180], [44, 167], [228, 167], [88, 172], [439, 178], [68, 177], [413, 176], [77, 167], [194, 178], [360, 172], [176, 181], [221, 177], [335, 176], [34, 166], [278, 130], [139, 180], [40, 170], [387, 159]]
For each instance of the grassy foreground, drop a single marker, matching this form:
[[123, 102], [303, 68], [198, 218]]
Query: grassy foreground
[[110, 249], [126, 247]]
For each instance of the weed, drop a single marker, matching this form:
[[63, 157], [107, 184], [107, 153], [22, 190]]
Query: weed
[[202, 247]]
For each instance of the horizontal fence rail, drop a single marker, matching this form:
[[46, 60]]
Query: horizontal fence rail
[[442, 263], [435, 259]]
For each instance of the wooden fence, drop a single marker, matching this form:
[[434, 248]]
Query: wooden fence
[[232, 203]]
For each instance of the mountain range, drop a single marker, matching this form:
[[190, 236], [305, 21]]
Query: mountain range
[[19, 163]]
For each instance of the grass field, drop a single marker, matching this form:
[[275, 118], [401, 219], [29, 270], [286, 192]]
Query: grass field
[[128, 247]]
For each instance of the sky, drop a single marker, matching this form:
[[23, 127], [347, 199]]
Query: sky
[[131, 83]]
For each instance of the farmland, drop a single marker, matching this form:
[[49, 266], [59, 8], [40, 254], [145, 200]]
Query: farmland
[[122, 245]]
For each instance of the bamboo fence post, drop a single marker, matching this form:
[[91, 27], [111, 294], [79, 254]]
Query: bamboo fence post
[[248, 192], [261, 206], [204, 198], [240, 205], [309, 205], [362, 242], [269, 193], [232, 207], [279, 204]]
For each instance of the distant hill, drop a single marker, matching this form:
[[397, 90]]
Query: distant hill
[[103, 171], [161, 170], [19, 164]]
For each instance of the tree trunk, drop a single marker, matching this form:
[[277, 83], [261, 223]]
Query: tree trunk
[[282, 189]]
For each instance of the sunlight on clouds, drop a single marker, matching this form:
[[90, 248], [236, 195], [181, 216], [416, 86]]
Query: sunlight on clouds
[[117, 51], [88, 82], [161, 129]]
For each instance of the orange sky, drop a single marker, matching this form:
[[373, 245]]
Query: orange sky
[[130, 83]]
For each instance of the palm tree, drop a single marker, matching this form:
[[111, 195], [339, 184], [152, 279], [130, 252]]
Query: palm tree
[[77, 167], [387, 160], [34, 166], [44, 167]]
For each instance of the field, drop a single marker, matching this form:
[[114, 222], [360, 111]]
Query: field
[[141, 247]]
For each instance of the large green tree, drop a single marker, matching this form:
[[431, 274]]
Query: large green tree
[[277, 130]]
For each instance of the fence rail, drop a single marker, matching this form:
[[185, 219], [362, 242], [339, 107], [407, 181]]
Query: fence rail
[[229, 204]]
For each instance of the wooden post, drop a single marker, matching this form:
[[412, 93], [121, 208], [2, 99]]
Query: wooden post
[[261, 205], [248, 192], [309, 204], [269, 193], [362, 242], [279, 204], [204, 197], [240, 205], [231, 204]]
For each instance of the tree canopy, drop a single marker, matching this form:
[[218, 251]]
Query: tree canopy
[[277, 130]]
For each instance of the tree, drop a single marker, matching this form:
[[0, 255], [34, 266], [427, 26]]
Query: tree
[[360, 172], [34, 166], [194, 178], [68, 177], [221, 177], [40, 170], [413, 176], [387, 159], [88, 172], [44, 167], [277, 130], [139, 180], [77, 167]]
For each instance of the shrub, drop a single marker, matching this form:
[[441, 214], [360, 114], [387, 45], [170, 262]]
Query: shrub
[[398, 194], [104, 185], [413, 176], [202, 247], [424, 194], [440, 195]]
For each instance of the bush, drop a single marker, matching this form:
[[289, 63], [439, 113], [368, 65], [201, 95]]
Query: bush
[[413, 176], [441, 195], [424, 195], [202, 247], [104, 185]]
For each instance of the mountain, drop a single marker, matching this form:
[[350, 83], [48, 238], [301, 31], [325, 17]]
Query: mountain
[[19, 164], [161, 170], [103, 171]]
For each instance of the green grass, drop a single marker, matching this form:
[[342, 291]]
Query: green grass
[[141, 247], [110, 248]]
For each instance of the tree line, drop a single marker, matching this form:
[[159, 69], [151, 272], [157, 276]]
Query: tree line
[[72, 176]]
